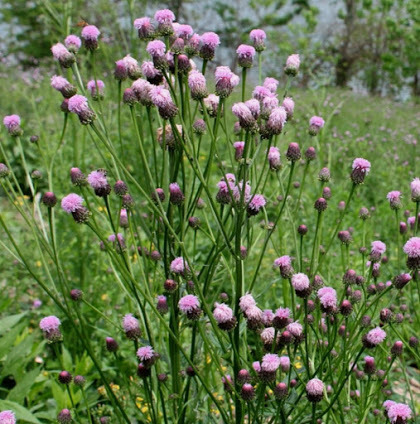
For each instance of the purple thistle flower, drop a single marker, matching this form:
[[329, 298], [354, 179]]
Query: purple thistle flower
[[209, 42], [197, 85], [239, 149], [394, 198], [271, 84], [245, 116], [179, 266], [90, 35], [12, 124], [131, 327], [254, 206], [292, 65], [144, 27], [78, 104], [415, 190], [412, 250], [211, 103], [73, 43], [226, 81], [315, 390], [62, 55], [7, 417], [190, 306], [361, 168], [399, 413], [374, 337], [51, 328], [254, 106], [276, 120], [273, 157], [245, 55], [258, 36], [63, 86], [164, 18], [223, 315], [162, 99], [96, 89], [315, 125], [289, 106]]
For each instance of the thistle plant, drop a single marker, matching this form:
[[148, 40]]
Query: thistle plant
[[230, 303]]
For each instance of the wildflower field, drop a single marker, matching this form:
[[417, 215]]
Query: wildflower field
[[187, 243]]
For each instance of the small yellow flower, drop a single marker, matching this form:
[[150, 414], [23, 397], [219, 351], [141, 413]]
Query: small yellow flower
[[101, 390], [104, 296], [208, 359], [101, 209], [38, 264], [298, 365]]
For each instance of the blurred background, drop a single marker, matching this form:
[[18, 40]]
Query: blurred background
[[369, 46]]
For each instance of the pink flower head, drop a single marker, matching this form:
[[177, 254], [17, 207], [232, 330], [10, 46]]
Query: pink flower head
[[271, 84], [91, 86], [267, 317], [316, 121], [399, 413], [140, 23], [210, 39], [239, 149], [156, 48], [256, 366], [300, 281], [254, 106], [7, 417], [184, 31], [97, 179], [188, 303], [267, 335], [268, 104], [71, 202], [289, 106], [160, 96], [273, 158], [164, 16], [73, 43], [376, 336], [415, 190], [377, 250], [292, 65], [149, 71], [142, 89], [283, 313], [60, 52], [226, 81], [11, 122], [270, 362], [257, 202], [78, 104], [197, 84], [328, 298], [411, 221], [179, 266], [283, 261], [37, 303], [50, 323], [295, 329], [112, 238], [130, 323], [59, 82], [284, 363], [276, 120], [361, 168], [90, 32], [412, 247], [144, 27], [145, 353], [246, 55], [315, 387], [260, 92], [245, 116], [211, 102], [222, 313], [394, 198], [258, 36], [246, 301], [387, 404], [240, 192]]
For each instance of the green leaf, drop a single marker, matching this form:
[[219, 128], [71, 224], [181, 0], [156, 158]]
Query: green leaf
[[22, 414], [22, 388], [10, 321]]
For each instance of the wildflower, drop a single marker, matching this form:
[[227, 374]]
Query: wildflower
[[76, 294], [51, 328], [310, 153], [77, 177], [289, 106], [211, 103], [254, 106], [162, 304], [296, 330], [176, 196], [321, 205], [315, 390], [65, 377], [344, 237], [4, 171], [142, 89], [361, 168], [292, 65], [209, 42], [285, 265], [281, 318], [223, 315], [164, 18], [96, 89], [397, 348], [131, 327], [90, 35], [161, 98], [273, 157], [120, 71], [399, 413], [157, 49], [190, 306], [144, 27], [374, 337], [300, 283], [324, 175], [78, 104], [369, 366], [247, 392], [63, 86], [285, 363], [12, 124], [64, 416], [226, 81], [415, 190], [179, 266], [245, 116], [246, 55], [197, 84], [377, 250], [328, 299], [62, 55], [73, 43], [293, 152], [199, 127], [270, 363], [400, 281], [98, 181], [258, 37], [412, 250], [146, 355], [184, 31], [281, 391], [394, 198], [276, 121], [111, 344], [316, 123], [246, 301], [192, 47]]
